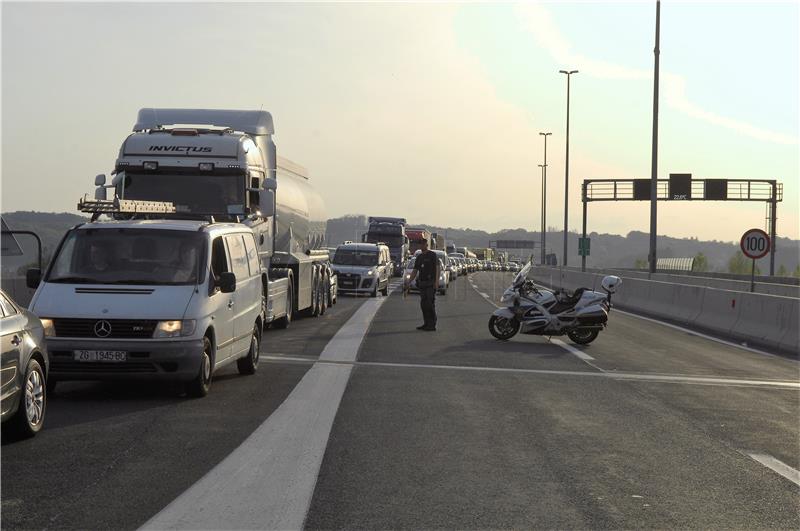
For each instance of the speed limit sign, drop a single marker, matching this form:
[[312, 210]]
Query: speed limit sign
[[755, 244]]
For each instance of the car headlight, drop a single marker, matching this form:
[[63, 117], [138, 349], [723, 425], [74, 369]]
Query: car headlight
[[408, 276], [49, 329], [371, 272], [174, 328]]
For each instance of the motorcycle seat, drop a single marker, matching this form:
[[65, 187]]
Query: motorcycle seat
[[568, 303]]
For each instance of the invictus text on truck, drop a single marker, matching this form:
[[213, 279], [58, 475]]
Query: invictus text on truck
[[392, 233], [151, 298], [224, 164]]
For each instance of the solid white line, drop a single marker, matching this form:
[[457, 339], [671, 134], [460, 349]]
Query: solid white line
[[665, 378], [704, 336], [268, 481], [569, 348], [778, 466], [288, 358]]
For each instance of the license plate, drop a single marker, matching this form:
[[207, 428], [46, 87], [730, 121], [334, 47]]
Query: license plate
[[101, 355]]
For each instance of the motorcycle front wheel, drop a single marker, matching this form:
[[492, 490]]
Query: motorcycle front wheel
[[582, 336], [503, 328]]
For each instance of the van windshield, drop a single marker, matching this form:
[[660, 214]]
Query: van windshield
[[130, 256], [201, 194], [355, 258]]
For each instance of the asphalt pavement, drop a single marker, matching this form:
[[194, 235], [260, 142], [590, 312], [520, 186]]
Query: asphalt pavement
[[650, 426], [453, 429], [112, 455]]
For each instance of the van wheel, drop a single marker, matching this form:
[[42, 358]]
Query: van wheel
[[249, 364], [198, 388], [286, 320], [29, 418]]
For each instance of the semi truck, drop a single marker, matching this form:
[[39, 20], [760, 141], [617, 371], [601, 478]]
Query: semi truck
[[438, 242], [223, 165], [392, 232], [415, 238]]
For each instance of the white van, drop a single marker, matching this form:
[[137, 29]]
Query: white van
[[168, 300]]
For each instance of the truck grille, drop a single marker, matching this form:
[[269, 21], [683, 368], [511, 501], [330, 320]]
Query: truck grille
[[105, 328]]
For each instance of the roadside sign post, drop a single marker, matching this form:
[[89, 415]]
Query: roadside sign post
[[755, 244]]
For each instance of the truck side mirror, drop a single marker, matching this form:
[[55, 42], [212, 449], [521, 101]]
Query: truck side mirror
[[33, 277], [266, 202], [100, 180], [227, 282]]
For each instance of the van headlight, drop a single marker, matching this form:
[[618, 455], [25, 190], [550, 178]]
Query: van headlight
[[174, 328], [371, 272], [49, 329]]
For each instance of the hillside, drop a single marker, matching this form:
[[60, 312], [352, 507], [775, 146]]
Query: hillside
[[607, 250]]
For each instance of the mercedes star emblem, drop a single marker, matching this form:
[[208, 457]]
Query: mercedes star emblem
[[102, 329]]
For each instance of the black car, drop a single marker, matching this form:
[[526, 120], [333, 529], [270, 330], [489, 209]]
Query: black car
[[24, 369]]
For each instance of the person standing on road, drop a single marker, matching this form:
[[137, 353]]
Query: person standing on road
[[426, 271]]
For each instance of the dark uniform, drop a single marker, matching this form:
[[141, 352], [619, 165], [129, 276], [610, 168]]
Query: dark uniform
[[425, 264]]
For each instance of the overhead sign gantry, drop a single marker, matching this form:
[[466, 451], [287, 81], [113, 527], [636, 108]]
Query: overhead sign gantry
[[681, 187]]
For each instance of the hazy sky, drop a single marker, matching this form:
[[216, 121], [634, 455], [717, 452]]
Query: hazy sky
[[431, 112]]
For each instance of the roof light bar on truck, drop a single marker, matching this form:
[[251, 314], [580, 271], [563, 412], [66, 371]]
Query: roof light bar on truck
[[124, 206]]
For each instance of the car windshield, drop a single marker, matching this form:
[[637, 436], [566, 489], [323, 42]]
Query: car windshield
[[202, 194], [355, 258], [129, 256]]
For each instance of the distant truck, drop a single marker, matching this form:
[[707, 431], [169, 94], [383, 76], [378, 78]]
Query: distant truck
[[486, 253], [391, 232], [466, 252], [416, 237], [223, 165], [438, 242]]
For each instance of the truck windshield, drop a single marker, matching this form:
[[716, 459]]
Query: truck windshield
[[129, 256], [391, 240], [355, 258], [193, 193]]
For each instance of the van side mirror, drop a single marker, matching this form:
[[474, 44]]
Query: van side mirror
[[266, 202], [100, 180], [227, 282], [33, 277]]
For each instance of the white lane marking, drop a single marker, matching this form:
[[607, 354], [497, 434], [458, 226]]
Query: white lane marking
[[778, 466], [665, 378], [268, 481], [289, 358], [704, 336], [569, 348]]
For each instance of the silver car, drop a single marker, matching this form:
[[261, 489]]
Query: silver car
[[25, 365]]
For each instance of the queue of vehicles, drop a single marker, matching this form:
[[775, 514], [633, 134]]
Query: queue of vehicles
[[210, 238]]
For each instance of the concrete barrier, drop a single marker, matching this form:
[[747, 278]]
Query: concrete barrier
[[760, 319], [765, 318]]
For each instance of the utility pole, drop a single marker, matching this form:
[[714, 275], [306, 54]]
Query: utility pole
[[654, 150], [544, 197], [566, 175]]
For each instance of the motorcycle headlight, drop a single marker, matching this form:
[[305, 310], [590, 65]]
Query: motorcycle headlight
[[174, 328]]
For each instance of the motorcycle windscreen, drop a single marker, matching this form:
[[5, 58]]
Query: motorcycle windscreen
[[522, 275]]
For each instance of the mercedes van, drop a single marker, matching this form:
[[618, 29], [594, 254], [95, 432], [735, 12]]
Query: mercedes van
[[152, 300]]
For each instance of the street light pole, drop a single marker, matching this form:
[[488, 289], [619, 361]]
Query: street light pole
[[544, 170], [544, 196], [654, 152], [566, 174]]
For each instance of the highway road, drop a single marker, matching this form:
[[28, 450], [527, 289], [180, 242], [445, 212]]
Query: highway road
[[357, 420]]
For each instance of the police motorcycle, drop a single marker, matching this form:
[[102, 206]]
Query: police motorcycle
[[534, 311]]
